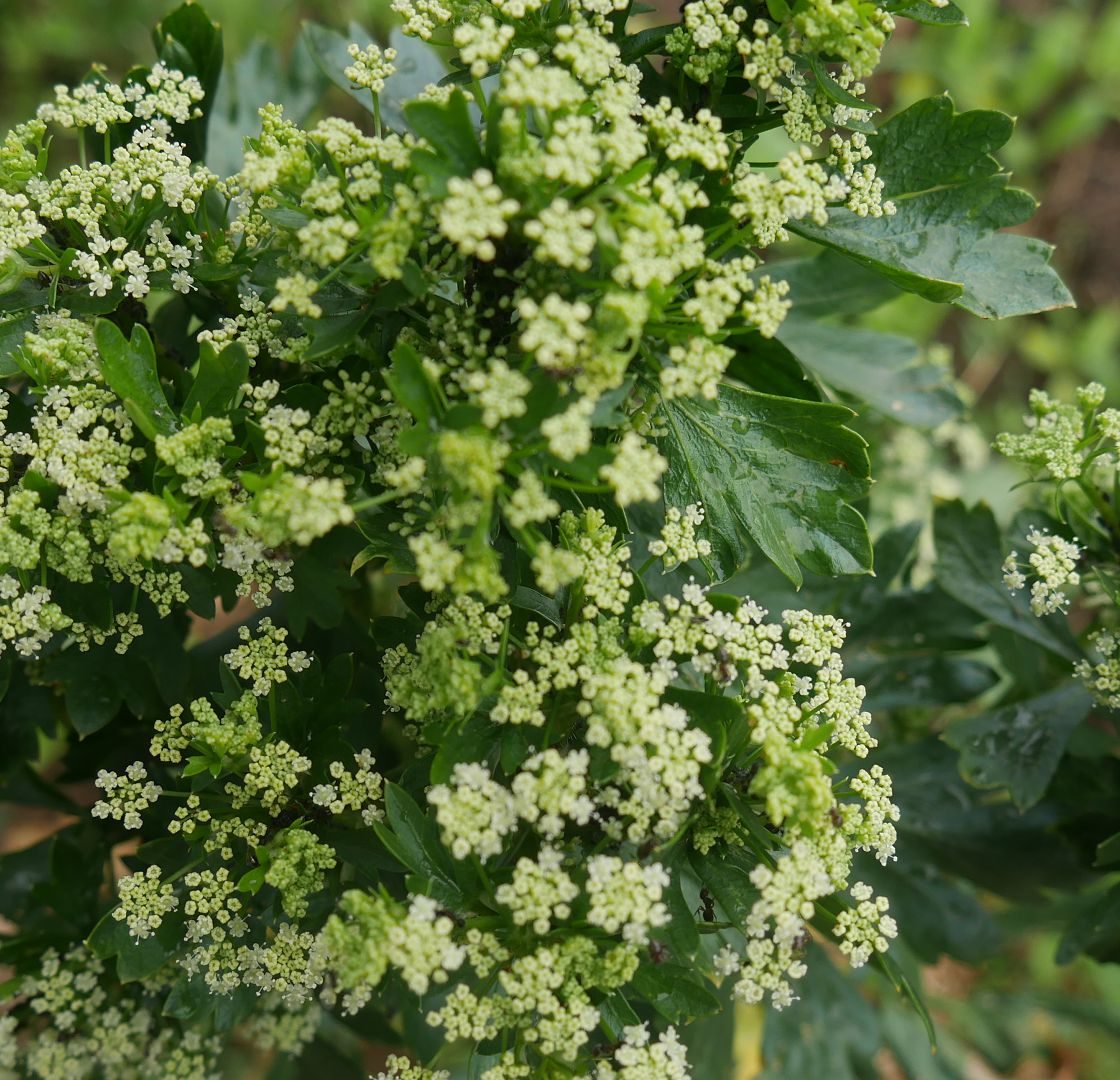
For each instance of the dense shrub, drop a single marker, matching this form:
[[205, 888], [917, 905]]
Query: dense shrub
[[484, 418]]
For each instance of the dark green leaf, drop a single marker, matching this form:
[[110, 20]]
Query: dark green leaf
[[418, 844], [12, 334], [1096, 930], [677, 992], [129, 369], [774, 470], [885, 370], [711, 1040], [645, 42], [964, 832], [217, 382], [448, 128], [188, 41], [1108, 851], [536, 602], [829, 284], [939, 916], [680, 933], [1019, 745], [834, 91], [919, 680], [969, 568], [410, 384], [92, 703], [334, 332], [952, 199], [830, 1032], [729, 883]]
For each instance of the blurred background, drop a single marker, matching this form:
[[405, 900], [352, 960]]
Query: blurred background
[[1055, 65]]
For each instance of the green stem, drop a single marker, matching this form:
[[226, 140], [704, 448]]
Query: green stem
[[575, 485], [375, 500], [1100, 504], [339, 268]]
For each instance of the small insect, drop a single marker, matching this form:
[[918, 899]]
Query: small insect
[[801, 942], [447, 913], [43, 278], [658, 954], [836, 817], [840, 463], [725, 669], [707, 905], [741, 778]]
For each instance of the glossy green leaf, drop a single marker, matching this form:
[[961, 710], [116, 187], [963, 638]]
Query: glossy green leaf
[[531, 600], [418, 844], [728, 882], [931, 14], [129, 370], [781, 472], [679, 933], [834, 91], [944, 242], [1018, 746]]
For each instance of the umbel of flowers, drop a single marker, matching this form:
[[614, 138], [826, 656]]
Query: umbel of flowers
[[482, 800]]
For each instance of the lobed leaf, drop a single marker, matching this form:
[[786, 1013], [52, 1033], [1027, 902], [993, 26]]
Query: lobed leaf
[[777, 471], [944, 242]]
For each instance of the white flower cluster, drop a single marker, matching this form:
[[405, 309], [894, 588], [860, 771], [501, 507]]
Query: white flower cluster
[[357, 790], [474, 812], [143, 901], [539, 892], [1053, 566], [126, 797], [866, 928], [640, 1058], [100, 105], [371, 66], [263, 659], [371, 934], [626, 897], [1063, 440], [1101, 673], [678, 543]]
